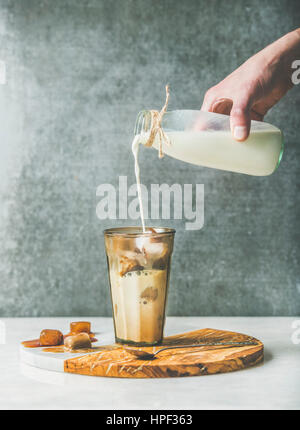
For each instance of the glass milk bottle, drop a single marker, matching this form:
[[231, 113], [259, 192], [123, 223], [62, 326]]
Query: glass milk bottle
[[205, 139]]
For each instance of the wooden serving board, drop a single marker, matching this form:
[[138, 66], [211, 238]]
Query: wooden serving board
[[114, 361], [178, 362]]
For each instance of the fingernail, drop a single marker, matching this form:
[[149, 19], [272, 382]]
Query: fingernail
[[240, 132]]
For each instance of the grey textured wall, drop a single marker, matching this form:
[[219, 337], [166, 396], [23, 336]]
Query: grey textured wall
[[77, 74]]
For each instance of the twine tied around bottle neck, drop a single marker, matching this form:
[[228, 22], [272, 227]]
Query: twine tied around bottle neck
[[156, 128]]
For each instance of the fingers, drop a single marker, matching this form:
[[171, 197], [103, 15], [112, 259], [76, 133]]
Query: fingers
[[222, 105], [219, 106], [214, 103], [209, 98], [240, 121], [238, 110]]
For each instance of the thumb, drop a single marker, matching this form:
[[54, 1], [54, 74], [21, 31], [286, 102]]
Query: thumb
[[240, 121]]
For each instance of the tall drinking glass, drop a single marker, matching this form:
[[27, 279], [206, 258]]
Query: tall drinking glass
[[139, 270]]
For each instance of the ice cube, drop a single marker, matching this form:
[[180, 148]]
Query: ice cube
[[129, 265]]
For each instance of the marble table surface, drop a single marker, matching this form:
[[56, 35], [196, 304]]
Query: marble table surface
[[275, 384]]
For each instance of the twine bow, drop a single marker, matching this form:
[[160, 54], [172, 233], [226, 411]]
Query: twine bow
[[156, 128]]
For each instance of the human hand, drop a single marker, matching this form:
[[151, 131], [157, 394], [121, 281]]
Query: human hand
[[257, 85]]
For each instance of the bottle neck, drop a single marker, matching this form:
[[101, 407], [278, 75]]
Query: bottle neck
[[143, 122]]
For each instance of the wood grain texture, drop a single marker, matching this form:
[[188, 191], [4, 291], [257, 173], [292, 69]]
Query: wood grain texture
[[204, 360]]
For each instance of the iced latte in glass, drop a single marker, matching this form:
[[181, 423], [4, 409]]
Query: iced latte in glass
[[139, 269]]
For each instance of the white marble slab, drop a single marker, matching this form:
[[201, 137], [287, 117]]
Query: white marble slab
[[36, 357], [273, 385]]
